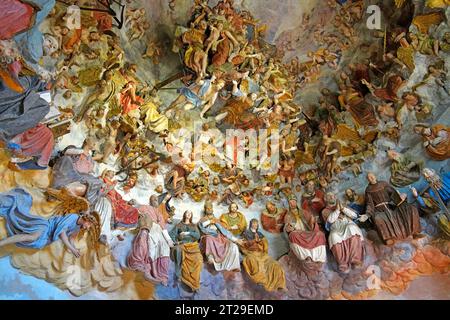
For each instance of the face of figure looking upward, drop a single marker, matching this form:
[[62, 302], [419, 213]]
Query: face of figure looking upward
[[270, 207], [331, 198], [310, 186], [371, 178], [187, 216], [350, 194], [50, 45], [292, 204], [154, 201]]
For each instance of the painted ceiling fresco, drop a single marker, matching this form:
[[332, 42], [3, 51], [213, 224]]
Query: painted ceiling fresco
[[247, 149]]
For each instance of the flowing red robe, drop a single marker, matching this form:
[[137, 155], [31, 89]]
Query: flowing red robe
[[124, 214], [36, 142], [139, 260], [273, 224], [15, 17], [311, 207]]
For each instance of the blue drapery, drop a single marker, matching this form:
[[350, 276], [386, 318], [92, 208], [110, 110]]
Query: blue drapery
[[30, 42], [444, 191], [15, 207]]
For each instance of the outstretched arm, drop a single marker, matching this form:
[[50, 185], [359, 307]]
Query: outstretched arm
[[69, 245]]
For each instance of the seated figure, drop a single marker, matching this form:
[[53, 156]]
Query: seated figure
[[393, 217], [186, 254], [260, 267], [217, 243], [306, 240], [345, 238]]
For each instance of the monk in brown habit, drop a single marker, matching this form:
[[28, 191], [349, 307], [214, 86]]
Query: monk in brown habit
[[394, 218]]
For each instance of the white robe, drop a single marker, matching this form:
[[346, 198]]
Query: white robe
[[104, 208], [318, 254], [159, 242], [342, 228], [231, 261]]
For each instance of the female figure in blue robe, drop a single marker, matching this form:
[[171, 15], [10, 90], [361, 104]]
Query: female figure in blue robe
[[31, 231], [186, 253], [73, 171], [439, 188], [436, 198]]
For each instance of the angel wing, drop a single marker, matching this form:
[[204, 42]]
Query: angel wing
[[371, 136], [399, 3], [346, 151], [424, 22], [406, 55], [437, 3], [69, 203], [346, 133]]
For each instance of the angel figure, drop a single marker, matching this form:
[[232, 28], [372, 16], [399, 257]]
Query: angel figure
[[27, 230], [111, 140], [203, 94], [153, 51], [138, 30], [213, 40], [436, 72], [424, 44]]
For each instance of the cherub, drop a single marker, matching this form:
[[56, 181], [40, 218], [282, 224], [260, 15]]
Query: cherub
[[132, 16], [111, 141], [331, 59], [386, 111], [153, 51], [444, 44], [438, 72], [138, 30], [424, 44], [213, 40]]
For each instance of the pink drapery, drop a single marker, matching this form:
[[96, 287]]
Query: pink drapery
[[139, 260], [15, 17], [36, 142]]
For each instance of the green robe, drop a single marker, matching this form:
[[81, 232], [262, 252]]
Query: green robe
[[404, 172]]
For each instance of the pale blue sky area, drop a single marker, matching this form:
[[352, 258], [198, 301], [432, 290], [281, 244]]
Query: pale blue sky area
[[15, 285]]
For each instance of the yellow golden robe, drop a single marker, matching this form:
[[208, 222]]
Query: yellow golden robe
[[438, 3], [186, 255], [262, 268], [192, 265], [154, 121]]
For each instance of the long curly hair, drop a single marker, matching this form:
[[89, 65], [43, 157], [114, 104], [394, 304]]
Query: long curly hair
[[94, 231]]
